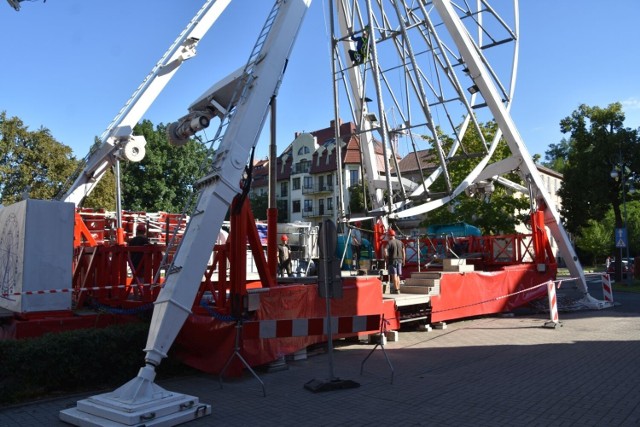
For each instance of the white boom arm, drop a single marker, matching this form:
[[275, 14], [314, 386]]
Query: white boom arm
[[219, 188], [141, 400], [117, 141], [490, 94]]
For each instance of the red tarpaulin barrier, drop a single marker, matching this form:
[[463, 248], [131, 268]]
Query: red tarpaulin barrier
[[206, 343], [473, 294]]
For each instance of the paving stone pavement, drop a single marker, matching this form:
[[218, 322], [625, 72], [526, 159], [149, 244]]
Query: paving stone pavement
[[490, 371]]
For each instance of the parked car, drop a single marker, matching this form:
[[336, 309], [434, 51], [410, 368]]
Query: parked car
[[627, 266]]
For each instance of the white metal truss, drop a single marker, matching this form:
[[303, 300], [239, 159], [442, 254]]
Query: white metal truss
[[141, 401], [436, 70], [117, 141]]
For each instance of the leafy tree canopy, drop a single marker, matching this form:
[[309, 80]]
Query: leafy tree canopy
[[598, 144], [597, 237], [497, 213], [260, 205], [163, 180], [32, 163], [556, 156]]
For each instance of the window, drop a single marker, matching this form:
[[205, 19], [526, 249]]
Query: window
[[308, 182], [308, 205], [321, 206], [296, 206], [321, 183], [284, 189], [296, 183], [330, 181], [353, 177], [329, 203], [283, 210], [302, 166], [303, 150]]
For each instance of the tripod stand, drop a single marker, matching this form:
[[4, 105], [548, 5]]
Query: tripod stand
[[236, 353]]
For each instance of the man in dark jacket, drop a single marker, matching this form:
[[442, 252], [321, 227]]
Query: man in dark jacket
[[396, 257], [140, 239]]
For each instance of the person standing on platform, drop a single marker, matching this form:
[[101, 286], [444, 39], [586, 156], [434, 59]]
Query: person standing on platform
[[137, 256], [396, 257], [356, 245], [284, 256]]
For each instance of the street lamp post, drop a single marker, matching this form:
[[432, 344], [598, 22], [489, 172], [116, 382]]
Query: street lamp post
[[623, 184]]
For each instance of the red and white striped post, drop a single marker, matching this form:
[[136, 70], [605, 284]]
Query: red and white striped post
[[607, 288], [553, 306]]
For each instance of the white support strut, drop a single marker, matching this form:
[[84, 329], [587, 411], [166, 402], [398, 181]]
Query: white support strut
[[117, 141], [355, 80], [482, 79], [176, 298], [140, 401]]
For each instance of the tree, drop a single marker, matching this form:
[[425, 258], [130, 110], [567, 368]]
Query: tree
[[32, 163], [259, 206], [103, 195], [599, 143], [357, 194], [497, 213], [633, 229], [595, 239], [163, 180], [556, 155]]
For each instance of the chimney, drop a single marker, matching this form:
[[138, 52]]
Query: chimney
[[333, 122]]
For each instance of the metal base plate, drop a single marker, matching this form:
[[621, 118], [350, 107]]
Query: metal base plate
[[317, 386], [181, 410]]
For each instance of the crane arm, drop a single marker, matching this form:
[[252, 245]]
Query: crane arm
[[118, 142], [242, 125]]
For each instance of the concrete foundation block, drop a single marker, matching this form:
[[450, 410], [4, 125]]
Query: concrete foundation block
[[392, 336], [425, 328], [440, 325]]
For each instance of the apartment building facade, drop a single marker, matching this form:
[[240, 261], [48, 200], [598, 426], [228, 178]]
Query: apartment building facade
[[307, 173], [307, 184]]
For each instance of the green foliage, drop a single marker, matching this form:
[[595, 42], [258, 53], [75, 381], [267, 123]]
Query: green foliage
[[598, 144], [595, 239], [31, 162], [283, 211], [81, 360], [357, 194], [633, 227], [259, 206], [498, 213], [162, 180], [103, 195], [556, 155]]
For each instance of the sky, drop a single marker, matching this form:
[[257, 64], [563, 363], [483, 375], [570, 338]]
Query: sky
[[70, 65]]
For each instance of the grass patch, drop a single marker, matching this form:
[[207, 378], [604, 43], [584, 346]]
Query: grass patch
[[624, 287]]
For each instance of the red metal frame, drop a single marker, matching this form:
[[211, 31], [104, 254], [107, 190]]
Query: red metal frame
[[487, 253]]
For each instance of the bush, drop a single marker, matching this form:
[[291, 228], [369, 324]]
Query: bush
[[74, 361]]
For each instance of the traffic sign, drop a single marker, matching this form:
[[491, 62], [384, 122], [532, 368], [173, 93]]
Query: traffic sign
[[621, 237]]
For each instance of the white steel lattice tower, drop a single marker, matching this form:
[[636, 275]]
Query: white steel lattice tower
[[439, 76]]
